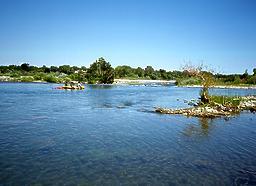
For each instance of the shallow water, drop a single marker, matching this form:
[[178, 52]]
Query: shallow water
[[109, 135]]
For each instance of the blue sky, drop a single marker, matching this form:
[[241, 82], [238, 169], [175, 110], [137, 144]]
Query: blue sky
[[160, 33]]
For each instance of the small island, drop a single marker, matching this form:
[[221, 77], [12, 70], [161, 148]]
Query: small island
[[218, 106], [211, 106]]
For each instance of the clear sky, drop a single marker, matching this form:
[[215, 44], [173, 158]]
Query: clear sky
[[160, 33]]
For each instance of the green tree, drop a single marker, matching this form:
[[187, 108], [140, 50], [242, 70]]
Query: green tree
[[66, 69], [149, 71], [140, 72], [163, 74], [245, 74], [254, 71], [46, 69], [100, 72], [25, 67], [54, 69], [124, 71]]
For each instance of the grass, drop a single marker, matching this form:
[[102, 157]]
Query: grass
[[226, 100], [189, 81]]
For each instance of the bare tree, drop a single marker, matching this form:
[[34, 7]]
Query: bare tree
[[206, 77]]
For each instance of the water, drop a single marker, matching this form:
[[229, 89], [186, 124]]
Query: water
[[109, 135]]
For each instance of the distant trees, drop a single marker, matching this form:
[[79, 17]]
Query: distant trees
[[102, 72], [245, 74], [124, 71], [54, 69], [254, 71], [25, 66], [140, 72], [149, 71]]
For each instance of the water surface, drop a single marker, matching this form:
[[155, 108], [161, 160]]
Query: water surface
[[109, 135]]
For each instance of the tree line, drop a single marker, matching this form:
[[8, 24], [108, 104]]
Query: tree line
[[101, 71]]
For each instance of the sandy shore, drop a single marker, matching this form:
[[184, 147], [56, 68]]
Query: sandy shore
[[142, 81], [222, 86]]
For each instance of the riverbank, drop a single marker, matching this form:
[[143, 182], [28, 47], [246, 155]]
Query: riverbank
[[130, 82], [214, 109], [223, 86], [143, 81]]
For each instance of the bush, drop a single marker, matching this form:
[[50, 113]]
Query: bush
[[226, 100], [51, 79], [251, 80], [15, 74], [39, 76], [189, 81], [27, 79]]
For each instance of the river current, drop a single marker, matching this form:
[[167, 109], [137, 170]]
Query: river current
[[109, 135]]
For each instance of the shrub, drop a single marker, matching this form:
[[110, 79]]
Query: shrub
[[189, 81], [39, 76], [251, 80], [27, 79], [51, 79]]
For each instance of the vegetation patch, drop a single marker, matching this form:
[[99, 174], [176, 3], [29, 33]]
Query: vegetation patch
[[218, 106]]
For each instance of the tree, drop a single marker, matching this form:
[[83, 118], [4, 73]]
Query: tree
[[205, 76], [123, 71], [140, 72], [149, 71], [46, 69], [66, 69], [254, 71], [101, 72], [25, 67], [245, 74], [163, 74], [54, 69]]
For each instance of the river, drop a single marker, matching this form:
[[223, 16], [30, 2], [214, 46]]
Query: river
[[109, 135]]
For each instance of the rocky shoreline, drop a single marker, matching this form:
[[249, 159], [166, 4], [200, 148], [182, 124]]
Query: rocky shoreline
[[214, 110]]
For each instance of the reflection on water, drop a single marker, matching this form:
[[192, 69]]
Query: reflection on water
[[202, 128], [100, 86], [109, 135]]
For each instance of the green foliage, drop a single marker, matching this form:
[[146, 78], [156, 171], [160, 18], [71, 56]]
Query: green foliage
[[189, 81], [245, 74], [27, 79], [100, 72], [251, 80], [124, 71], [15, 74], [65, 69], [140, 72], [51, 78], [39, 76], [149, 71], [237, 80], [25, 66], [226, 100]]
